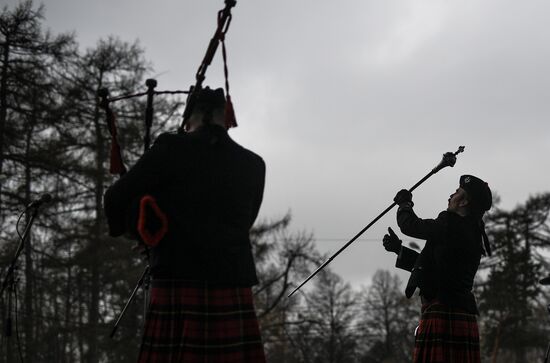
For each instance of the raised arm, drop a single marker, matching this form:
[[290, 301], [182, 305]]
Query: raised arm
[[413, 226]]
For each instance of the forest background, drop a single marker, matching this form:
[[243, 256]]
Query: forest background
[[72, 279]]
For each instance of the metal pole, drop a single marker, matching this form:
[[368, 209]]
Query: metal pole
[[151, 84], [13, 263], [136, 288], [9, 283]]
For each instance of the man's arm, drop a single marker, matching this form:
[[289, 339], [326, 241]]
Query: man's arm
[[148, 173], [260, 192], [413, 226]]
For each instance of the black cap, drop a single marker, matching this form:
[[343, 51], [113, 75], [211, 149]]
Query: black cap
[[478, 191], [209, 99]]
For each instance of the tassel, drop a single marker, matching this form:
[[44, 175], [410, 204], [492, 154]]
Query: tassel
[[230, 119], [117, 166], [486, 247]]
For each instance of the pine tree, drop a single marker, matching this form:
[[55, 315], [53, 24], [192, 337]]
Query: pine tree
[[27, 99], [54, 139], [282, 258], [510, 301]]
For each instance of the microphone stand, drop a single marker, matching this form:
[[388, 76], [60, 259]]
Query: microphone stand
[[548, 349], [10, 282]]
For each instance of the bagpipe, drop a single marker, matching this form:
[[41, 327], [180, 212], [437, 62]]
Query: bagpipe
[[146, 221]]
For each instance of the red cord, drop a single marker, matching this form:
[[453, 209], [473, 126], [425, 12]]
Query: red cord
[[151, 238]]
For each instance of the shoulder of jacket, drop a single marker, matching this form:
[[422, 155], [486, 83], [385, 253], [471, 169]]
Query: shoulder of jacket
[[257, 159], [444, 214], [173, 140], [251, 155], [169, 137]]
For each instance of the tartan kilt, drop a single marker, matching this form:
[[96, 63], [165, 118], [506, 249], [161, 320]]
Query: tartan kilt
[[446, 335], [192, 322]]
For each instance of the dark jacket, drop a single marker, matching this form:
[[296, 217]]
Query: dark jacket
[[446, 267], [211, 189]]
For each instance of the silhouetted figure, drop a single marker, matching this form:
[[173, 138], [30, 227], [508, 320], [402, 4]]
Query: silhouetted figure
[[209, 188], [444, 271]]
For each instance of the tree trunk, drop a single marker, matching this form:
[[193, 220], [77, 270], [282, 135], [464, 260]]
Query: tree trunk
[[3, 110], [97, 237], [387, 327], [80, 327], [496, 344], [66, 343]]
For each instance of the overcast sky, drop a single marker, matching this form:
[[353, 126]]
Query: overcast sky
[[349, 101]]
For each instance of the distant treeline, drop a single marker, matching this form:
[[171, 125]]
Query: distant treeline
[[72, 279]]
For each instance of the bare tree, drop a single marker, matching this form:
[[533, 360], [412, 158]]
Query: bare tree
[[388, 320], [281, 259], [327, 331]]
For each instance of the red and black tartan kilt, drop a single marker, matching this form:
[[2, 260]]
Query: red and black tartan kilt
[[193, 322], [446, 335]]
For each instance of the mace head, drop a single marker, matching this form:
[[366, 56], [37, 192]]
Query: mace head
[[449, 159]]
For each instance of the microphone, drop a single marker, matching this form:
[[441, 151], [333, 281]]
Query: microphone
[[45, 198], [545, 281]]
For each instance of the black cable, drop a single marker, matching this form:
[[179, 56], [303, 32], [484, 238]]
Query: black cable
[[14, 287], [17, 325], [2, 339], [3, 312], [17, 223]]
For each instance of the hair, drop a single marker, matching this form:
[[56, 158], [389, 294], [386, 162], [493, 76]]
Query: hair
[[208, 111], [207, 116], [477, 213]]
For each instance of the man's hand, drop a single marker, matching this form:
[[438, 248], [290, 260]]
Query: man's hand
[[403, 198], [391, 242], [140, 247]]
